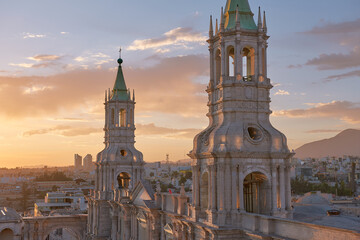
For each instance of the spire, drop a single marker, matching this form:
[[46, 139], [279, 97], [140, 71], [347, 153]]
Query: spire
[[259, 20], [211, 32], [106, 96], [222, 24], [246, 16], [264, 24], [216, 27], [119, 91], [133, 95]]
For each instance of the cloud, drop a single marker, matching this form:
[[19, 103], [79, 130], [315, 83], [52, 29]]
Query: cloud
[[95, 58], [23, 65], [166, 87], [44, 57], [338, 77], [33, 35], [178, 36], [44, 60], [64, 33], [336, 28], [34, 89], [336, 61], [151, 129], [63, 130], [282, 92], [344, 110], [294, 66], [323, 131]]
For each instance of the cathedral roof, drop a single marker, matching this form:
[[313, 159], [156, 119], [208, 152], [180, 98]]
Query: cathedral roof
[[245, 14], [120, 91], [8, 214]]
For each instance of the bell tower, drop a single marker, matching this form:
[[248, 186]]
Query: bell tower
[[240, 162], [120, 165]]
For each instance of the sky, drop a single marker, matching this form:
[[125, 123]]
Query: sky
[[58, 58]]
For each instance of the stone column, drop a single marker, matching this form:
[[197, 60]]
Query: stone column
[[241, 190], [114, 227], [196, 186], [213, 187], [274, 188], [282, 187], [212, 59], [221, 187], [234, 188], [227, 180], [223, 58], [209, 187], [288, 188]]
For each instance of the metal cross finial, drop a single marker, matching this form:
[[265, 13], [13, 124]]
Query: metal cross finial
[[120, 52]]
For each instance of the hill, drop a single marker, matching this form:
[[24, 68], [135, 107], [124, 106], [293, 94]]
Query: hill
[[345, 143]]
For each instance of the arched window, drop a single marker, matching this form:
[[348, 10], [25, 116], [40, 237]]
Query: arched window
[[7, 234], [123, 180], [230, 64], [122, 117], [248, 64], [257, 193], [217, 66], [112, 116]]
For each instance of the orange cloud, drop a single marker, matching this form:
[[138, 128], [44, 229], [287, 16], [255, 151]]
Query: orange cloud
[[176, 36], [67, 131], [166, 87], [151, 129], [344, 110]]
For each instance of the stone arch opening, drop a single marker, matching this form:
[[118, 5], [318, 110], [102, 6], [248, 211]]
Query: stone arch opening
[[62, 233], [248, 62], [217, 66], [122, 118], [7, 234], [204, 191], [123, 180], [230, 61], [256, 193]]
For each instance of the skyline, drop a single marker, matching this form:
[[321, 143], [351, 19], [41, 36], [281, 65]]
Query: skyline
[[53, 74]]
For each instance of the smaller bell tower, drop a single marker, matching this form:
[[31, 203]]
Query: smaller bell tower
[[120, 165]]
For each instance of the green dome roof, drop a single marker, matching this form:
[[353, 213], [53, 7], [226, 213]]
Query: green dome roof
[[245, 14]]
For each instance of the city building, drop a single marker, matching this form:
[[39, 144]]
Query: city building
[[88, 162], [77, 161], [71, 200]]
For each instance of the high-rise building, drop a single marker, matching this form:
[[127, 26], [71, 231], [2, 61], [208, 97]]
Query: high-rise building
[[87, 162], [77, 161]]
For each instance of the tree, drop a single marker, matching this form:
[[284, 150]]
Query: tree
[[188, 175], [175, 174], [182, 180], [151, 174]]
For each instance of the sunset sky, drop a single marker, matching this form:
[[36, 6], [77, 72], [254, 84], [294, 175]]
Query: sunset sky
[[59, 57]]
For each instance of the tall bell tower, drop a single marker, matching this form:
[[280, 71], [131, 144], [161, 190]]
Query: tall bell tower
[[240, 161], [120, 165]]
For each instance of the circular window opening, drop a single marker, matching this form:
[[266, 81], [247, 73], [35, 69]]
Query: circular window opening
[[123, 153], [254, 133]]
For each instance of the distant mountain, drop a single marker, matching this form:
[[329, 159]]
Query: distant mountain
[[345, 143]]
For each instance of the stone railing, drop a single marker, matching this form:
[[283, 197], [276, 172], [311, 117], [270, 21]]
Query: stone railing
[[120, 193], [173, 203], [291, 229]]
